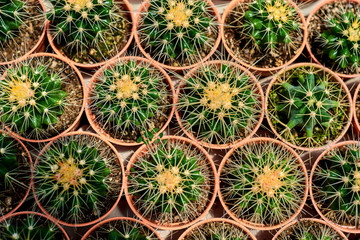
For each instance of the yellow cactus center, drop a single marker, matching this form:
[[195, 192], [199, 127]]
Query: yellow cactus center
[[279, 11], [218, 95], [179, 14], [269, 181], [353, 33], [126, 87], [68, 173], [168, 180], [79, 5], [20, 91]]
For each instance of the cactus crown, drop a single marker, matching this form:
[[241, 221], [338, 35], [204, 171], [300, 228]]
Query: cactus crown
[[308, 107], [29, 226], [219, 103], [12, 15], [92, 27], [130, 100], [169, 180], [336, 184], [73, 177], [178, 32], [263, 182]]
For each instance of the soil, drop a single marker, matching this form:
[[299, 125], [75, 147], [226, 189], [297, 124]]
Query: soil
[[243, 49], [198, 207], [10, 198], [114, 42], [28, 36], [317, 26]]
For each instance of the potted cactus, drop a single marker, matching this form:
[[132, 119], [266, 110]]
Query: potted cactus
[[264, 35], [334, 183], [308, 106], [90, 32], [22, 29], [309, 229], [219, 103], [171, 183], [41, 97], [177, 34], [78, 179], [30, 225], [334, 36], [217, 229], [120, 228], [130, 100], [15, 166], [263, 183]]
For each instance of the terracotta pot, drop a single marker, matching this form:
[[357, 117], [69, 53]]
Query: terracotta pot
[[308, 45], [179, 225], [100, 224], [306, 219], [143, 8], [224, 220], [356, 120], [92, 118], [93, 66], [28, 155], [228, 145], [336, 77], [4, 218], [258, 226], [104, 215], [328, 221], [76, 122], [39, 46], [252, 67]]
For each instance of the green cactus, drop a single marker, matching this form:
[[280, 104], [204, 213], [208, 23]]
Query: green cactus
[[130, 100], [178, 32], [168, 181], [263, 182], [88, 31], [336, 184], [308, 107], [220, 103], [73, 178], [29, 226], [12, 14]]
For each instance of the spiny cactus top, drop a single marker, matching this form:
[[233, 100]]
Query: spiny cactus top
[[29, 226], [170, 182], [308, 107], [267, 33], [130, 100], [89, 31], [178, 32], [263, 182], [336, 184], [12, 15], [219, 103], [74, 178], [309, 230]]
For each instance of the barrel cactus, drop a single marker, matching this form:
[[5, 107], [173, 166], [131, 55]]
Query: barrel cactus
[[307, 106], [263, 182], [178, 32], [12, 15], [74, 178], [220, 103], [130, 100]]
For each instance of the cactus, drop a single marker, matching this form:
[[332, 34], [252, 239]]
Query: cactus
[[178, 32], [12, 14], [73, 178], [336, 184], [308, 107], [29, 226], [130, 100], [88, 30], [220, 103], [263, 182], [170, 182]]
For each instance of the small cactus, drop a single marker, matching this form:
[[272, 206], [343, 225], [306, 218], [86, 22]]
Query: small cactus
[[219, 103], [170, 182], [73, 178], [130, 100], [263, 182], [308, 107], [12, 16], [178, 32]]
